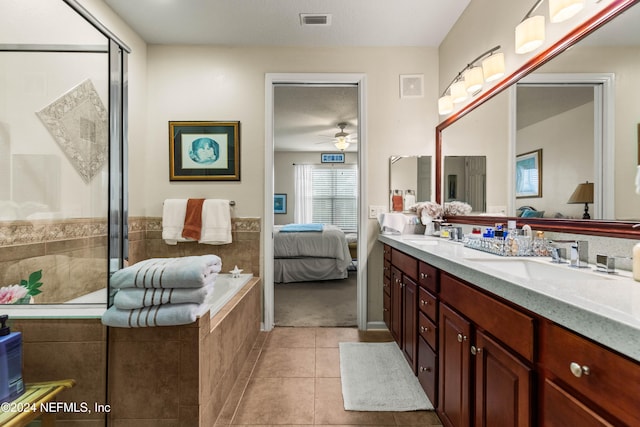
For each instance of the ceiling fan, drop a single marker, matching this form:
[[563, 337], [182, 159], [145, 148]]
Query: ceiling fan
[[342, 139]]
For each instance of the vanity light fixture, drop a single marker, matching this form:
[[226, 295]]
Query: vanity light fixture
[[530, 32], [583, 194], [470, 79]]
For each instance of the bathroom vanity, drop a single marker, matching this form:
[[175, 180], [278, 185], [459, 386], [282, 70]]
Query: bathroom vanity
[[513, 341]]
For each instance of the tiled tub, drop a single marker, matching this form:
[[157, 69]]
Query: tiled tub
[[181, 375]]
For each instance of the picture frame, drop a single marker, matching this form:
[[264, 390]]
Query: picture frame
[[529, 174], [280, 203], [332, 157], [204, 151]]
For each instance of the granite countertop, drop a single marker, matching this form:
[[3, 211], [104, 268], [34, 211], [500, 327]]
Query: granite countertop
[[599, 306]]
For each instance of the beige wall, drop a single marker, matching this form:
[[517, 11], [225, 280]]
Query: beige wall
[[169, 83]]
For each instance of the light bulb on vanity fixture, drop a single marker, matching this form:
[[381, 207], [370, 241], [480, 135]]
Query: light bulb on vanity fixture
[[469, 81], [530, 32]]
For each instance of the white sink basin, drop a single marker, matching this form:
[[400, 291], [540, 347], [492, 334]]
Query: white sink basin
[[528, 268]]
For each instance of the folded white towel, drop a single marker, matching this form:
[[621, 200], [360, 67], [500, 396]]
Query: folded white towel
[[394, 222], [130, 298], [216, 222], [184, 272], [173, 214], [157, 315]]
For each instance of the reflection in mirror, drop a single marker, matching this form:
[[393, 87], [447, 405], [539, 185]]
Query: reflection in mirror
[[409, 173], [465, 181], [613, 49], [555, 142]]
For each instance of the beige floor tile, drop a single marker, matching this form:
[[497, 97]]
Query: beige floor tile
[[291, 338], [277, 401], [327, 363], [329, 407], [417, 418], [330, 337], [277, 362]]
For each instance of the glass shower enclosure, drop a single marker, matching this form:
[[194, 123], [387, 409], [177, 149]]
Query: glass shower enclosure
[[63, 156]]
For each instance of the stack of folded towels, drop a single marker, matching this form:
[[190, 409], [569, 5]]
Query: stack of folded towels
[[161, 291]]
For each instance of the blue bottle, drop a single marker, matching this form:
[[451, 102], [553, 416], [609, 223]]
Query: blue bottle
[[11, 384]]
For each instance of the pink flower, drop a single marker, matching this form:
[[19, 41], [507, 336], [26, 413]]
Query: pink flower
[[11, 294]]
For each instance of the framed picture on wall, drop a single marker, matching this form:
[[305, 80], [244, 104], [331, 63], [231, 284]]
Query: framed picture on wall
[[204, 151], [529, 174], [279, 203]]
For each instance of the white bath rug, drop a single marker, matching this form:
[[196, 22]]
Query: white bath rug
[[376, 377]]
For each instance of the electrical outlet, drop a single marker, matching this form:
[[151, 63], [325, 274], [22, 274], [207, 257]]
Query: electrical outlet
[[374, 211]]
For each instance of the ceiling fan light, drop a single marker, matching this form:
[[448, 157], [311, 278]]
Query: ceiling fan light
[[445, 105], [561, 10], [493, 67], [458, 92], [530, 34], [473, 79], [341, 143]]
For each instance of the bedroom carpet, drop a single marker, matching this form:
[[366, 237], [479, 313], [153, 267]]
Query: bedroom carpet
[[330, 303], [376, 377]]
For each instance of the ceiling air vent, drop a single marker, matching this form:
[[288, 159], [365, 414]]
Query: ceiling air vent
[[315, 19]]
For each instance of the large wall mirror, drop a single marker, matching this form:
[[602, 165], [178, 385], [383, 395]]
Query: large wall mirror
[[410, 174], [589, 134]]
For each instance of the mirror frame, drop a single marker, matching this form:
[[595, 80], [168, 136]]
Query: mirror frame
[[611, 228]]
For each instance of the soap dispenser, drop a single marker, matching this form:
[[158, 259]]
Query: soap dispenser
[[11, 384]]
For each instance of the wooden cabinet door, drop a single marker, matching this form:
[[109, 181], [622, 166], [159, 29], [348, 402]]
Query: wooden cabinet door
[[561, 409], [428, 371], [410, 321], [396, 305], [503, 386], [454, 369]]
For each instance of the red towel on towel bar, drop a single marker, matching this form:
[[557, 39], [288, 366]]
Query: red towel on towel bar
[[193, 219]]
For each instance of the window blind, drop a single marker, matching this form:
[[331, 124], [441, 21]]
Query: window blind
[[335, 196]]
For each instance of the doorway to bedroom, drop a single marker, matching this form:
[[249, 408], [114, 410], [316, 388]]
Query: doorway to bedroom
[[314, 265]]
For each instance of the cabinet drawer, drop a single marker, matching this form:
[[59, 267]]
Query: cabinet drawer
[[406, 263], [513, 328], [428, 304], [386, 284], [428, 330], [386, 268], [428, 277], [386, 252], [428, 371], [386, 308], [612, 380]]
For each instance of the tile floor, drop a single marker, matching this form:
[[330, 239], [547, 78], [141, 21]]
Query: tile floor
[[292, 377]]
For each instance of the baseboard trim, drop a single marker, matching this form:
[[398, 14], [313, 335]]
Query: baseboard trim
[[377, 325]]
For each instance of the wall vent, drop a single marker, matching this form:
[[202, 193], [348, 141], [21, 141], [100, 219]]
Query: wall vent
[[315, 19]]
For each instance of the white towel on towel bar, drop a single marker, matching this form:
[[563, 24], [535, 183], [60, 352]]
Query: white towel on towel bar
[[131, 298], [216, 222], [157, 315], [184, 272], [173, 214]]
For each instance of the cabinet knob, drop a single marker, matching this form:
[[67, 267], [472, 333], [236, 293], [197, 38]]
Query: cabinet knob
[[578, 370], [424, 302], [475, 350], [462, 337], [423, 369], [423, 329], [424, 275]]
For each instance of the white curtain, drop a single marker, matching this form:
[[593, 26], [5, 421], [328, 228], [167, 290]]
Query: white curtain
[[304, 194]]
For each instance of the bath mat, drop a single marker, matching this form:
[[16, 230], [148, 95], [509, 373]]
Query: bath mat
[[376, 377]]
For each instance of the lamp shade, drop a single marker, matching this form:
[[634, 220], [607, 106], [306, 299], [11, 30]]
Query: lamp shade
[[493, 67], [458, 92], [445, 105], [530, 34], [473, 79], [561, 10], [341, 143], [582, 194]]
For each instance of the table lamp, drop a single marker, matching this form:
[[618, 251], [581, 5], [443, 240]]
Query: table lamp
[[583, 194]]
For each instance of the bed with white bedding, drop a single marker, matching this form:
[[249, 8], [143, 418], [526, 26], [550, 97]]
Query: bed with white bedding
[[310, 252]]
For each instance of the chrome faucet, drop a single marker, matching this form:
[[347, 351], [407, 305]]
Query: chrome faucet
[[579, 252]]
